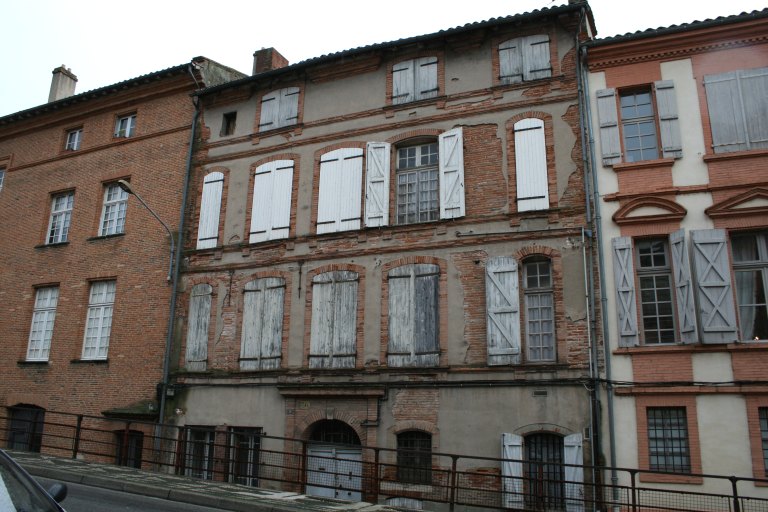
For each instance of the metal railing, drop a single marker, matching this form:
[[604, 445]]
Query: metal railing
[[373, 474]]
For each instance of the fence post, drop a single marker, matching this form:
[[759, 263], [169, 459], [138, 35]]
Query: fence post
[[376, 474], [76, 444], [632, 475], [734, 485], [454, 458]]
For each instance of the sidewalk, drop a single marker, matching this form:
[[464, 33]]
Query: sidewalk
[[178, 488]]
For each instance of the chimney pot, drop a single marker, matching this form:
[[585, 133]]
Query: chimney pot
[[62, 84]]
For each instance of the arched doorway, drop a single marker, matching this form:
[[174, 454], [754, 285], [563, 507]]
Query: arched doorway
[[334, 461]]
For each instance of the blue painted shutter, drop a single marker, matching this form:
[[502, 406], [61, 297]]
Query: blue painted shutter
[[624, 275], [608, 118], [684, 296], [669, 124], [711, 265]]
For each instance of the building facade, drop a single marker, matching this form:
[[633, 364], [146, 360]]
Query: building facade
[[681, 155], [388, 243], [86, 280]]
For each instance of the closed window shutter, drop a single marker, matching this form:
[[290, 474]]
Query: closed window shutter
[[334, 326], [669, 124], [377, 184], [289, 106], [403, 82], [426, 77], [510, 62], [608, 117], [451, 165], [624, 274], [512, 471], [413, 316], [573, 473], [210, 206], [262, 332], [754, 89], [531, 165], [270, 107], [340, 195], [684, 297], [271, 207], [726, 113], [536, 63], [713, 281], [197, 327], [502, 304]]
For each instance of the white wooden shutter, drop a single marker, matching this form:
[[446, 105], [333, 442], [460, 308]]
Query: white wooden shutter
[[340, 196], [270, 108], [271, 208], [536, 63], [608, 118], [512, 471], [754, 92], [510, 62], [713, 280], [574, 473], [684, 297], [289, 106], [426, 77], [669, 124], [626, 309], [262, 333], [334, 320], [502, 307], [531, 165], [413, 316], [403, 82], [451, 167], [197, 327], [377, 184], [210, 208]]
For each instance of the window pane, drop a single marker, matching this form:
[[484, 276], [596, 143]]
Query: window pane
[[414, 457], [668, 439]]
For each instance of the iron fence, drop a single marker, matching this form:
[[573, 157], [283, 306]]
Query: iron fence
[[407, 478]]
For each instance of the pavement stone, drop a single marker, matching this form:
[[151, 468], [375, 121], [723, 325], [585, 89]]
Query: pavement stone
[[182, 489]]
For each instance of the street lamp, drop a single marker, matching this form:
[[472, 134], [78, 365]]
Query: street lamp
[[126, 187]]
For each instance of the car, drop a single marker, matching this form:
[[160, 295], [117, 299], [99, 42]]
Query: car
[[19, 492]]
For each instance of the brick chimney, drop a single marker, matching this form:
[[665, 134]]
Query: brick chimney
[[62, 84], [267, 59]]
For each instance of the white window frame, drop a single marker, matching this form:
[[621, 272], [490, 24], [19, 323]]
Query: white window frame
[[536, 293], [207, 443], [61, 215], [98, 325], [74, 139], [125, 126], [114, 210], [43, 317], [746, 289], [424, 179]]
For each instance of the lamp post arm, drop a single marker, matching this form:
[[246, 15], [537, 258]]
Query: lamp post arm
[[170, 234]]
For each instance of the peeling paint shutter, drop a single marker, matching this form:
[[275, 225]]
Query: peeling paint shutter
[[210, 207], [669, 124], [340, 196], [510, 62], [608, 117], [502, 303], [271, 208], [726, 113], [426, 77], [261, 340], [403, 82], [754, 90], [713, 280], [377, 184], [270, 107], [334, 320], [289, 106], [413, 316], [512, 471], [531, 165], [197, 327], [574, 474], [623, 270], [681, 271], [536, 63], [451, 174]]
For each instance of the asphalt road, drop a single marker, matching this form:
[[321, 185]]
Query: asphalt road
[[83, 498]]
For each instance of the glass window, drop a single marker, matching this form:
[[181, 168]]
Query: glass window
[[228, 123], [244, 446], [655, 278], [639, 125], [539, 310], [61, 214], [2, 177], [125, 126], [750, 265], [113, 213], [417, 183], [99, 322], [43, 317], [74, 138], [668, 439], [763, 415], [198, 460], [414, 457]]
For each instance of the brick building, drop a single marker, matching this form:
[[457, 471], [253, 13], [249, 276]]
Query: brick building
[[679, 115], [85, 279], [386, 244]]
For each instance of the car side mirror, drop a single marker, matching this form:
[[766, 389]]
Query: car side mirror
[[58, 492]]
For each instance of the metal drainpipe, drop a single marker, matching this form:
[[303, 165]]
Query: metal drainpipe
[[177, 263], [586, 122]]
